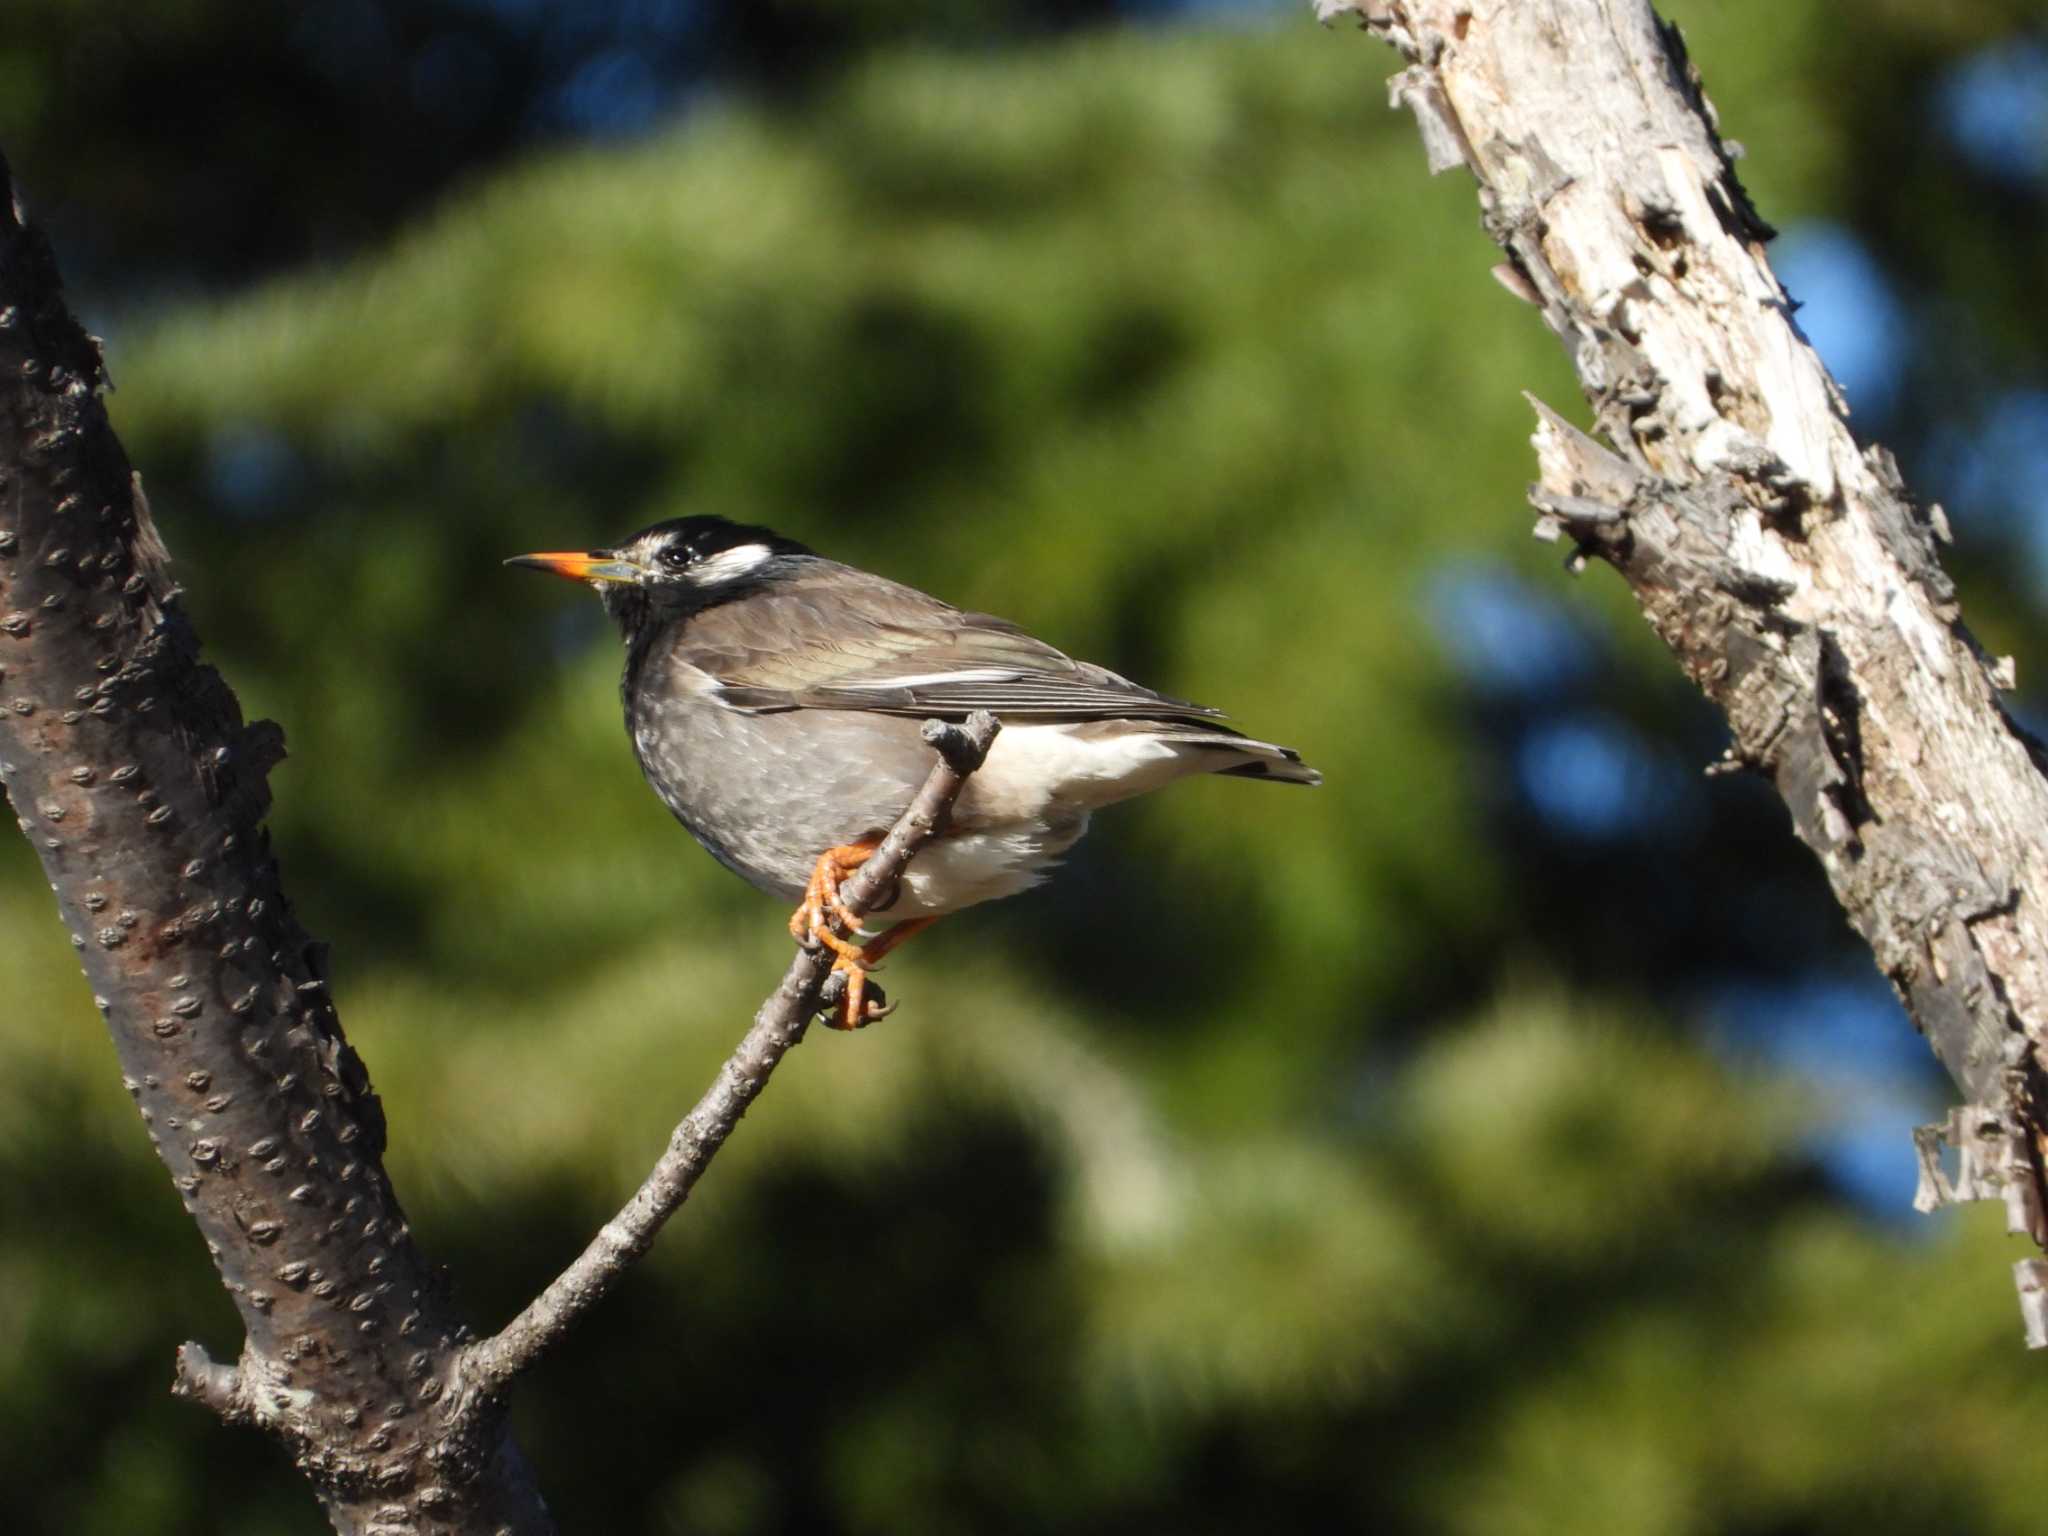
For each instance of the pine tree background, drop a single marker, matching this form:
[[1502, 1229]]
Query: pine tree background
[[1508, 1137]]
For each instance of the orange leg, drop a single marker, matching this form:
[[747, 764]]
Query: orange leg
[[853, 1011], [871, 956], [811, 923]]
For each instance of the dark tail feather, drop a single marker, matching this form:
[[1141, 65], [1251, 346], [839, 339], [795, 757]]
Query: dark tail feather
[[1288, 770], [1276, 764]]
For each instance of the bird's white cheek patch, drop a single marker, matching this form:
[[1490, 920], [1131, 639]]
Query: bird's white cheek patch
[[729, 564]]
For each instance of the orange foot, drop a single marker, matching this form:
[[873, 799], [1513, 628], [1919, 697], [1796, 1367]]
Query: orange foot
[[853, 1010], [811, 923], [814, 922]]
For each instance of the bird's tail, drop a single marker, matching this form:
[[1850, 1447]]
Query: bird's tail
[[1262, 759]]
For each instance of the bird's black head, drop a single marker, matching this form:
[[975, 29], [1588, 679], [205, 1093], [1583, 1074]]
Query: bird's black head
[[675, 568]]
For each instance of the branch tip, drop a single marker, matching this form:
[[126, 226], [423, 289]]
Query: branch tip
[[202, 1378], [963, 746], [489, 1365]]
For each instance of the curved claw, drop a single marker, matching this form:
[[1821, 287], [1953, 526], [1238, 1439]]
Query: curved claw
[[860, 1004], [821, 918]]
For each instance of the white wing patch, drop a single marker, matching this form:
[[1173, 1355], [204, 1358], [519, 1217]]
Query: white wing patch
[[928, 679]]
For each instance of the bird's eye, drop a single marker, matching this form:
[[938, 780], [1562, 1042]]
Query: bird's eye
[[674, 556]]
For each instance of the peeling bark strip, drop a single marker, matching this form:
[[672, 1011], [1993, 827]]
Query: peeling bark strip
[[1787, 569], [129, 768]]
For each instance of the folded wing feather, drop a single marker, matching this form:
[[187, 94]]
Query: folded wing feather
[[893, 650]]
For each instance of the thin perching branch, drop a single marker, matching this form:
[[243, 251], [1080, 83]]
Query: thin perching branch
[[779, 1025]]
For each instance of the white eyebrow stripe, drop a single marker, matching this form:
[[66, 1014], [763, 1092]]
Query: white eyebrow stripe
[[729, 563]]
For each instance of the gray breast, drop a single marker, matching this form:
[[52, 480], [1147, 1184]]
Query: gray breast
[[767, 793]]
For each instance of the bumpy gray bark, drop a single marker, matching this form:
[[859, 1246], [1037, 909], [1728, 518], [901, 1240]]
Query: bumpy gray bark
[[130, 770], [1787, 568]]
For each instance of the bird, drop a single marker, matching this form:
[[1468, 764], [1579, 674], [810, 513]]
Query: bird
[[775, 698]]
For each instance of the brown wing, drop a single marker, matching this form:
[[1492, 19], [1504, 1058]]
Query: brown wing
[[838, 638]]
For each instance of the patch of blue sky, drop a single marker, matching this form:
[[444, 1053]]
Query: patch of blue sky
[[1849, 311], [1993, 106], [1870, 1075], [1503, 636], [1591, 775], [252, 470], [1992, 473]]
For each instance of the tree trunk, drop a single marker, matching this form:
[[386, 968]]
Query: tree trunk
[[1785, 566], [130, 770]]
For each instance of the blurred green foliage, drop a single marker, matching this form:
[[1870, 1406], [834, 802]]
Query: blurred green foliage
[[1295, 1161]]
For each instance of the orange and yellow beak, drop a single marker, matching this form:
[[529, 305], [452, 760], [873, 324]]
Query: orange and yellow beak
[[599, 565]]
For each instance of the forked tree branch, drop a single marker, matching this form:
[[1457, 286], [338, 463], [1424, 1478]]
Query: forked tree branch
[[778, 1027], [128, 766], [1785, 566]]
